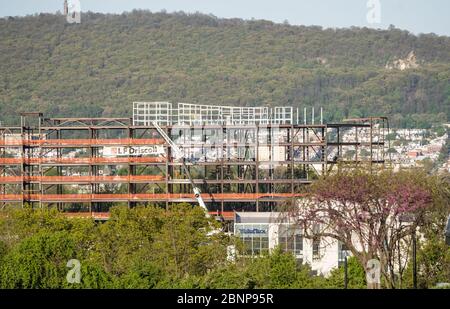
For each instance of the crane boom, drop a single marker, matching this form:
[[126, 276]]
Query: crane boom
[[179, 154]]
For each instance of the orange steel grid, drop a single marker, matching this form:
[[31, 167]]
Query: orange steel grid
[[13, 161], [81, 142], [77, 179], [39, 195], [227, 215], [145, 197]]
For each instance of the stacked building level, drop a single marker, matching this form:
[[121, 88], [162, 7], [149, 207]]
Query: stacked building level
[[242, 159]]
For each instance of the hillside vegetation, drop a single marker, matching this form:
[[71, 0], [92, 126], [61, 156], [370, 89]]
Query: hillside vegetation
[[99, 67]]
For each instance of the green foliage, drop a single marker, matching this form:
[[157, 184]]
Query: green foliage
[[392, 150], [144, 247], [440, 130], [277, 270], [142, 275], [433, 264], [97, 68], [3, 249], [94, 276], [150, 247], [38, 262], [356, 276], [445, 151], [230, 276], [391, 136]]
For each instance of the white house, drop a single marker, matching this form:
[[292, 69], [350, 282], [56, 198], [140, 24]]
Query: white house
[[263, 231]]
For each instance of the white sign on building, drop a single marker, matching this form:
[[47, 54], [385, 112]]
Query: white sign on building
[[120, 151]]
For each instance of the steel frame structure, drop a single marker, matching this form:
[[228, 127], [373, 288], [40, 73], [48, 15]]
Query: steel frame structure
[[144, 113], [255, 166]]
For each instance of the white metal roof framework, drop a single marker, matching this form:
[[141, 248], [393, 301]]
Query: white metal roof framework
[[144, 113]]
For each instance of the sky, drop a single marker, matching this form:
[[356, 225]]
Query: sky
[[416, 16]]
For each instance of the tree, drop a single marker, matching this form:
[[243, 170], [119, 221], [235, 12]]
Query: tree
[[364, 211], [392, 151], [38, 262], [183, 244], [274, 270], [143, 247], [277, 270], [142, 275], [433, 263], [72, 71], [391, 136], [3, 249], [230, 276], [150, 246], [433, 255], [356, 276], [427, 165]]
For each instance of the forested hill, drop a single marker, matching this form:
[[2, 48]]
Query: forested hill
[[99, 67]]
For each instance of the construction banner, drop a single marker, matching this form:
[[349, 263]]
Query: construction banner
[[120, 151]]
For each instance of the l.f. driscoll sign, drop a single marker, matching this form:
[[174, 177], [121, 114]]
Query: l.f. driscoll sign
[[133, 150]]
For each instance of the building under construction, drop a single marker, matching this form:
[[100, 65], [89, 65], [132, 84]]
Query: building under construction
[[242, 158]]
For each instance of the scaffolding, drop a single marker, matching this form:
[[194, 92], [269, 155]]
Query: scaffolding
[[86, 165], [144, 113]]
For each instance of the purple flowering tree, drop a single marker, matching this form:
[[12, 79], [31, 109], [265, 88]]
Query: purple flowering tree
[[367, 212]]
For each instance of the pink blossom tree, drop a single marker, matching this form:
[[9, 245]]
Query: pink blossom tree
[[366, 212]]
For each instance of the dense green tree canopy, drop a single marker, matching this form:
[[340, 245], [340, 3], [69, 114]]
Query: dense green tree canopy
[[98, 67], [150, 247], [137, 248]]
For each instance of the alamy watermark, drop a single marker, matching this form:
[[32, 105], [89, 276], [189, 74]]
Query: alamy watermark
[[373, 273], [72, 10], [374, 14], [74, 274]]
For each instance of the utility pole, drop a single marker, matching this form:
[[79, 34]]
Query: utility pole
[[345, 271], [66, 8], [414, 259], [412, 219]]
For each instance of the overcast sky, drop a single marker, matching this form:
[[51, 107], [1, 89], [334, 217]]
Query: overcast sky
[[417, 16]]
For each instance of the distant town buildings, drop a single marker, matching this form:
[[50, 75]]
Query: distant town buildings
[[404, 147]]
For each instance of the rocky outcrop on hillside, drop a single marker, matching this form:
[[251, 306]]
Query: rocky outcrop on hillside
[[410, 62]]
